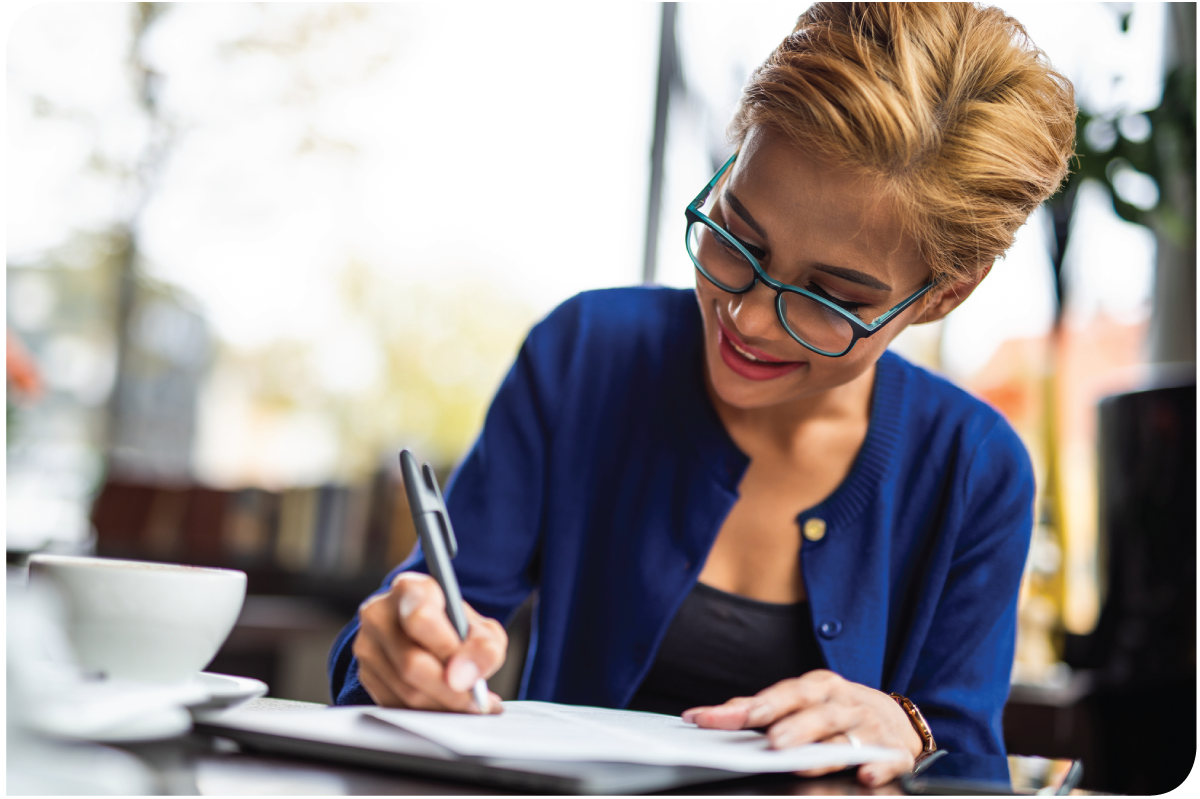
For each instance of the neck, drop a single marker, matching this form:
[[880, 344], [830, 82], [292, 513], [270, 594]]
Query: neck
[[783, 426]]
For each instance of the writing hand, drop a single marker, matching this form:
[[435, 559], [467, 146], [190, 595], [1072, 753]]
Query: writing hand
[[821, 707], [409, 654]]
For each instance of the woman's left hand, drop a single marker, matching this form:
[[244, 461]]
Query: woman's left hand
[[821, 707]]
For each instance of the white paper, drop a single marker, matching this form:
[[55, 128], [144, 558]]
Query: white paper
[[547, 731]]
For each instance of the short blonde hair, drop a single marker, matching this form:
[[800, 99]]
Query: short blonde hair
[[949, 104]]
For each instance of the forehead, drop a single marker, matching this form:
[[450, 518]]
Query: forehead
[[810, 208]]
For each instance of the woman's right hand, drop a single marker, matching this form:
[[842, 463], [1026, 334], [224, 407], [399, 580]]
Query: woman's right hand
[[409, 654]]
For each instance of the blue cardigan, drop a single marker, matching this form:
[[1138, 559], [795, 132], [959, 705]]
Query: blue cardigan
[[603, 474]]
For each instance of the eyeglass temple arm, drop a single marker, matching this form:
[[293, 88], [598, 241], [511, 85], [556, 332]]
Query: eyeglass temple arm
[[703, 195], [883, 319]]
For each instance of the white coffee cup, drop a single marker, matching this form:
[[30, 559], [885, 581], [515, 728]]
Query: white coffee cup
[[136, 620]]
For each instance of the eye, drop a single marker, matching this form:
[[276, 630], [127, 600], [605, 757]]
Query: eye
[[847, 305], [757, 252]]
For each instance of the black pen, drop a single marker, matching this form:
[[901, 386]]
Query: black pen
[[432, 521]]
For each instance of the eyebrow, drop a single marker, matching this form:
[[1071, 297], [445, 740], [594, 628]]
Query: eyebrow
[[852, 275], [741, 211]]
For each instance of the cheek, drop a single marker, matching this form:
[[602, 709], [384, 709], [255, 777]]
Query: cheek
[[849, 366], [825, 373], [822, 374], [705, 298]]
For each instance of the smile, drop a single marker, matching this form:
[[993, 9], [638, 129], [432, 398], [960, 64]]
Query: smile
[[749, 364], [745, 354]]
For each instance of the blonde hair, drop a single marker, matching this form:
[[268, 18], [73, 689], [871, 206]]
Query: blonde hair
[[950, 105]]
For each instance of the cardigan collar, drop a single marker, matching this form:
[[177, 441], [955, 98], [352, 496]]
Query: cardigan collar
[[696, 421]]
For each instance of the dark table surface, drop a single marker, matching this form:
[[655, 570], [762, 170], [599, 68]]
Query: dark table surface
[[200, 765]]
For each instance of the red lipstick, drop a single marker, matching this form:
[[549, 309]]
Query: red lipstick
[[760, 367]]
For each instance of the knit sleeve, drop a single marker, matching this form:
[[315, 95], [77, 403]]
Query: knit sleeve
[[495, 498], [962, 678]]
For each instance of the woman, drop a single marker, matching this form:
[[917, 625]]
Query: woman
[[734, 502]]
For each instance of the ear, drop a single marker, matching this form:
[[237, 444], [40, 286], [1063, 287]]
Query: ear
[[941, 300]]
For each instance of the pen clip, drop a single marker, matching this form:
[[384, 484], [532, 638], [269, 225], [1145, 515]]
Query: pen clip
[[440, 511]]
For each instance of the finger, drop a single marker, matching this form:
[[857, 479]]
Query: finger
[[820, 772], [786, 697], [377, 688], [733, 715], [421, 607], [494, 706], [472, 614], [481, 655], [417, 699], [370, 649], [814, 724], [383, 674], [410, 672], [381, 636], [771, 704], [426, 674], [876, 774], [487, 641]]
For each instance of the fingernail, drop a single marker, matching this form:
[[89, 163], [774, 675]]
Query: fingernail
[[408, 603], [462, 674], [689, 715]]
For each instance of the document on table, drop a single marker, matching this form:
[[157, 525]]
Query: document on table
[[548, 731]]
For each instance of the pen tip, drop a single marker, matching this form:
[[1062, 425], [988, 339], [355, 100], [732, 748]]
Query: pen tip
[[480, 694]]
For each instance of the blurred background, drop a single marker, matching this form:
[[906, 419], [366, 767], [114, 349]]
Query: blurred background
[[253, 250]]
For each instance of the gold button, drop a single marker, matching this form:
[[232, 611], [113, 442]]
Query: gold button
[[814, 529]]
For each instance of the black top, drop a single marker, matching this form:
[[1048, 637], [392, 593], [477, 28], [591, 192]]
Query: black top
[[723, 645]]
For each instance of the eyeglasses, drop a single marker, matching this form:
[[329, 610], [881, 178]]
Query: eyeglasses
[[818, 322]]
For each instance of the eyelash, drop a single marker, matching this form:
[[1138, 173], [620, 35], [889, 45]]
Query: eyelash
[[750, 248], [847, 305], [852, 307]]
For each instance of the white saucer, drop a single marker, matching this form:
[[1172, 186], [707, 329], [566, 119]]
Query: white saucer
[[225, 691], [164, 722], [64, 705]]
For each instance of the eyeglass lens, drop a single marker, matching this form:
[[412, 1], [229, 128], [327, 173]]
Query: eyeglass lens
[[727, 268]]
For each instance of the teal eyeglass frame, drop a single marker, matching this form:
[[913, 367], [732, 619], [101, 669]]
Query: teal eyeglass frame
[[859, 329]]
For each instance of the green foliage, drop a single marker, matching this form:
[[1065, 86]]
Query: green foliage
[[440, 349], [1167, 155]]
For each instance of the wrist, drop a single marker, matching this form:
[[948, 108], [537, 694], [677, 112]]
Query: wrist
[[913, 743], [924, 742]]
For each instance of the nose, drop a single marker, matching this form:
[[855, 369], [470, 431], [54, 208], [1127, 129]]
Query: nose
[[754, 312]]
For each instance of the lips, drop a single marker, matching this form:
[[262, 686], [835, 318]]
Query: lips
[[748, 362]]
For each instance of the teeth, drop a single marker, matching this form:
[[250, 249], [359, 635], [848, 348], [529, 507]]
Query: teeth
[[746, 354]]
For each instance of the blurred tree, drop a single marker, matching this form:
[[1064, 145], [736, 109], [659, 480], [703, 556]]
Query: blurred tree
[[444, 349], [162, 340], [408, 367], [1147, 163]]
